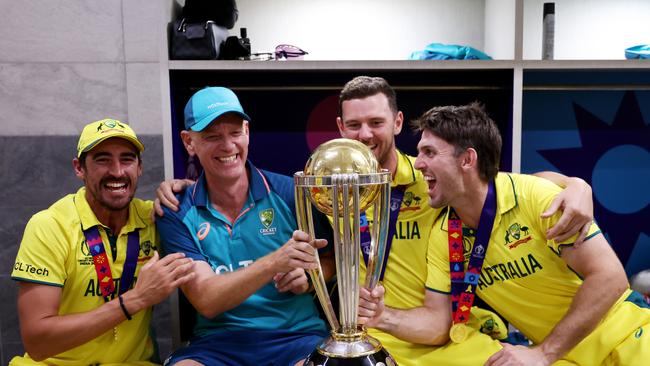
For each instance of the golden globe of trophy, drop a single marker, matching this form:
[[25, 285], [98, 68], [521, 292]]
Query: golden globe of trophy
[[342, 179]]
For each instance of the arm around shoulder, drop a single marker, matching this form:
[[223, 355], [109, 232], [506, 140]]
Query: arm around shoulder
[[576, 203]]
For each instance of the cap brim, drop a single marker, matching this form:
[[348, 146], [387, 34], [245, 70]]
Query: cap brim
[[205, 122], [138, 145]]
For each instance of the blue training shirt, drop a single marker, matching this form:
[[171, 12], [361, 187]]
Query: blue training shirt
[[266, 222]]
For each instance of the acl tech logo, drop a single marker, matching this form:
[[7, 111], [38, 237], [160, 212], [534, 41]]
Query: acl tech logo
[[516, 235], [266, 217], [31, 269]]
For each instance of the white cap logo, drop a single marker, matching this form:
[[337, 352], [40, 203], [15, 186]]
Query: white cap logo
[[217, 104]]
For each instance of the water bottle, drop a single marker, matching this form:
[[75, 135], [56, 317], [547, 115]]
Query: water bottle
[[548, 31]]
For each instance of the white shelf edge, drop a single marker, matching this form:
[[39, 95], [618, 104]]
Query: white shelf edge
[[341, 65], [407, 65], [586, 64]]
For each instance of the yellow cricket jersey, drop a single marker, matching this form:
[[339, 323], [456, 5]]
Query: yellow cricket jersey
[[523, 277], [406, 274], [54, 252]]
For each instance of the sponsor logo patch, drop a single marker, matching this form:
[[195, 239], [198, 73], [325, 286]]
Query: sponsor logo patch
[[204, 230]]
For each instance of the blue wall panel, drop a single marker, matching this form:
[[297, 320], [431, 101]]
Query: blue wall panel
[[602, 136]]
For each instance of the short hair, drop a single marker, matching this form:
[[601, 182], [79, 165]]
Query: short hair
[[464, 127], [366, 86]]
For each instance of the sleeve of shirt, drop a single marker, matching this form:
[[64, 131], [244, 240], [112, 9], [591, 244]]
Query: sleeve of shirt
[[43, 252], [438, 259], [176, 237], [540, 193]]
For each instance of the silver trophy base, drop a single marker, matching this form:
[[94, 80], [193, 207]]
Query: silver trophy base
[[358, 349]]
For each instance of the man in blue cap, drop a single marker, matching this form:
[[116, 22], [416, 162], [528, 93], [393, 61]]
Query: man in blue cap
[[238, 224]]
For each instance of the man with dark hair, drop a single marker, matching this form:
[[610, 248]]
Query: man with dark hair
[[410, 313], [573, 302], [238, 224], [78, 304], [369, 113]]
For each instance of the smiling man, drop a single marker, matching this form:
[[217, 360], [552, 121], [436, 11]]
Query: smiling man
[[238, 224], [87, 266], [410, 320], [572, 302], [369, 113]]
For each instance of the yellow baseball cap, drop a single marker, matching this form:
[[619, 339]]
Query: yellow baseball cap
[[98, 131]]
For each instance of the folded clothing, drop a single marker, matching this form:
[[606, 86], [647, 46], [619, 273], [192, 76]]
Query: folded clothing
[[638, 52], [439, 51]]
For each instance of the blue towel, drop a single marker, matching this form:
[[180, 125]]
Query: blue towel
[[638, 52], [439, 51]]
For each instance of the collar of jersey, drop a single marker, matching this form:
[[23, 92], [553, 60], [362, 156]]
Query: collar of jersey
[[88, 218], [506, 197], [258, 186], [405, 174]]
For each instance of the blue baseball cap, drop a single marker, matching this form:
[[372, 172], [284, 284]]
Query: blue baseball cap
[[208, 104]]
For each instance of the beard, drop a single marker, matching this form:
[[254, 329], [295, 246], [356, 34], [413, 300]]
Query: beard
[[114, 204]]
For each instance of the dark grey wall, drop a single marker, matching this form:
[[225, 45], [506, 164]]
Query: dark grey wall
[[35, 171]]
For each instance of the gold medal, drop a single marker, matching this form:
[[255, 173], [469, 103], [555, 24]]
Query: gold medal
[[458, 332]]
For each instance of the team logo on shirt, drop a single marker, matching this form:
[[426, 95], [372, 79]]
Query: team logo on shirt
[[146, 248], [146, 251], [491, 328], [266, 217], [516, 235], [408, 200]]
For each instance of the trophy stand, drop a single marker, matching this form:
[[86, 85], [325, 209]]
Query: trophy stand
[[342, 179]]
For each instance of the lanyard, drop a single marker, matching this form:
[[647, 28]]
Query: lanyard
[[396, 196], [463, 284], [102, 267]]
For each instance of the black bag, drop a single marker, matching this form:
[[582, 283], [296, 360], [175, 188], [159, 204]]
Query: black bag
[[196, 41], [223, 12], [235, 48]]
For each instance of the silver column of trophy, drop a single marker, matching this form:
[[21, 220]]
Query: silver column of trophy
[[342, 179]]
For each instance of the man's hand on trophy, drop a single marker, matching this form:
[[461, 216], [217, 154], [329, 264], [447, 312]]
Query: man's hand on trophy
[[298, 252], [371, 306], [295, 281], [165, 194]]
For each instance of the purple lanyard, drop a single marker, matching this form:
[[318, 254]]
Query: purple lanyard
[[396, 196], [463, 284], [102, 267]]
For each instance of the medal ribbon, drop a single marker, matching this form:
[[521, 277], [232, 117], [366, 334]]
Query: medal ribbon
[[463, 284], [102, 267], [396, 197]]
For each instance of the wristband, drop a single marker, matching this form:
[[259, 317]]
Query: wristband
[[126, 312]]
